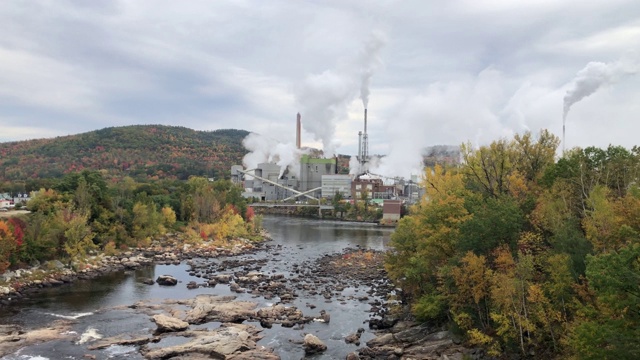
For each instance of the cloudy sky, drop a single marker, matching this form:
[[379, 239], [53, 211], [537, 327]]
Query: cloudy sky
[[437, 72]]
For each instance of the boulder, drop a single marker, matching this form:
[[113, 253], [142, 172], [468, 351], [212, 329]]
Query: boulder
[[325, 316], [223, 278], [169, 324], [131, 264], [205, 308], [280, 314], [124, 340], [220, 343], [313, 345], [354, 338], [166, 280], [258, 354]]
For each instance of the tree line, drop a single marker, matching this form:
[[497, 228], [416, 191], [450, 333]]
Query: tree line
[[143, 152], [524, 254], [82, 213]]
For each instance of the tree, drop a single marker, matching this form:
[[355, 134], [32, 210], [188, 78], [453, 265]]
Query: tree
[[473, 281], [496, 221], [487, 169], [533, 158], [168, 217], [78, 236], [7, 246], [338, 205], [427, 238], [609, 327], [147, 222]]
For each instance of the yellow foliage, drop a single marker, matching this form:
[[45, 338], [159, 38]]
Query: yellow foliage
[[192, 237], [110, 248], [472, 277], [463, 320], [168, 216], [554, 208], [536, 295], [517, 186], [600, 221], [478, 338], [504, 261]]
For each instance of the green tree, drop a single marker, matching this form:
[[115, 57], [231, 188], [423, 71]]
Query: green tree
[[609, 327], [147, 222], [78, 236]]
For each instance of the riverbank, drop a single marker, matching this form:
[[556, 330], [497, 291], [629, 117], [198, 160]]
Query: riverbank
[[291, 297], [168, 249]]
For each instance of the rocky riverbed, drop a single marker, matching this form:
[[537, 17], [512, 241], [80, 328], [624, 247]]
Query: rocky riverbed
[[226, 327]]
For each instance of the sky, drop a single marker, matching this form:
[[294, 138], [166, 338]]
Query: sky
[[430, 72]]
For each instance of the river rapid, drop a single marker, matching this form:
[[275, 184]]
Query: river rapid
[[98, 308]]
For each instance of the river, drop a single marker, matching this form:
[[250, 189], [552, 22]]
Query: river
[[98, 307]]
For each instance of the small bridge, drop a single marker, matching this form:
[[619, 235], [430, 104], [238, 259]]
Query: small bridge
[[271, 205]]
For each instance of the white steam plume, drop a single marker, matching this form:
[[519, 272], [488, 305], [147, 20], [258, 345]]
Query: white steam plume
[[263, 149], [323, 100], [369, 62], [593, 76], [324, 97]]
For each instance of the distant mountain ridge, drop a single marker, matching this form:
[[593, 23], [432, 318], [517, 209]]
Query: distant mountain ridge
[[139, 151]]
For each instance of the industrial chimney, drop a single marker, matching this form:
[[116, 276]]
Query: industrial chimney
[[298, 131], [365, 141]]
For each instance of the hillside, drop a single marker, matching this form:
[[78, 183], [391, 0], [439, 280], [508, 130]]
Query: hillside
[[140, 151]]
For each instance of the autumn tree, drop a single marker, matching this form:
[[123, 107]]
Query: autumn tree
[[426, 239], [7, 245], [529, 255], [78, 235]]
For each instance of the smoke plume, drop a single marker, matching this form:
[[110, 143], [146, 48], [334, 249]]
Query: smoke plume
[[592, 77], [370, 61], [263, 149], [324, 97]]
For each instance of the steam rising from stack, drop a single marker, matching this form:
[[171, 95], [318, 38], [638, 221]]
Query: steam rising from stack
[[323, 99], [590, 79]]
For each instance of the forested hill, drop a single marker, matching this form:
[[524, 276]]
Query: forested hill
[[140, 151]]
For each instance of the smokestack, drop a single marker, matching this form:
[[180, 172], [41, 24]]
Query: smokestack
[[365, 141], [365, 120], [360, 146], [298, 131]]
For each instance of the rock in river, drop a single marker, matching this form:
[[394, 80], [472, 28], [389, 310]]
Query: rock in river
[[220, 343], [313, 345], [169, 324], [166, 280]]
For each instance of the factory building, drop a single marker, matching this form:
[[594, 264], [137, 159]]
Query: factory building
[[263, 184], [373, 188], [312, 170], [318, 178], [332, 184], [391, 210]]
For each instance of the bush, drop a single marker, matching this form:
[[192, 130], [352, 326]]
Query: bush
[[430, 307]]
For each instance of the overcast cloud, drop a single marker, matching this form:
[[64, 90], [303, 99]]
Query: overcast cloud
[[437, 72]]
